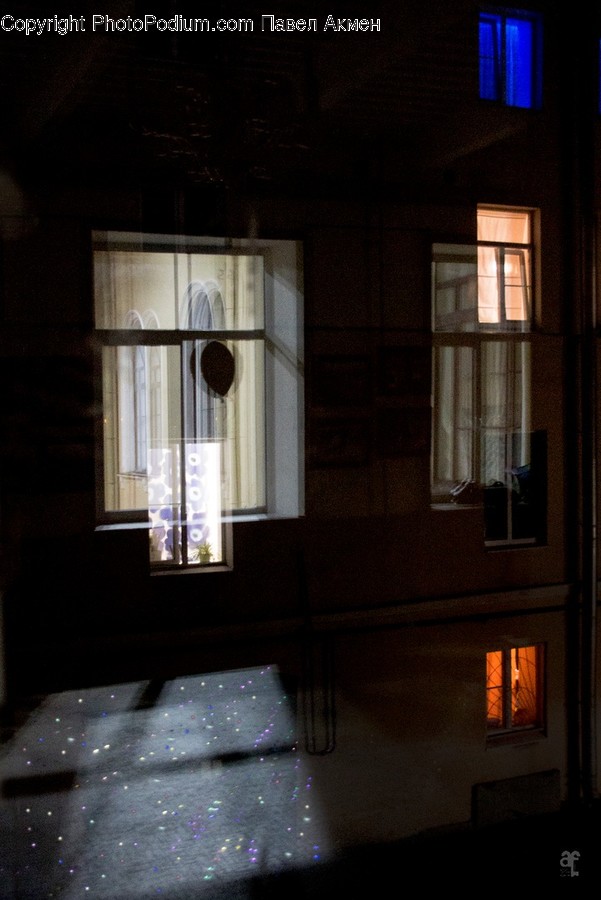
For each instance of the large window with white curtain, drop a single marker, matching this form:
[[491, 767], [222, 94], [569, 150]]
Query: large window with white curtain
[[482, 313], [201, 345]]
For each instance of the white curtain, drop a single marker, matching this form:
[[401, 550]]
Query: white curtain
[[503, 272]]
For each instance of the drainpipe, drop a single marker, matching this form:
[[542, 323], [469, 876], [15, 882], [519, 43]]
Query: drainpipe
[[577, 83], [589, 510], [3, 694], [585, 102]]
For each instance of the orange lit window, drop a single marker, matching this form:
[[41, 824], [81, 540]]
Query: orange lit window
[[514, 688], [504, 267]]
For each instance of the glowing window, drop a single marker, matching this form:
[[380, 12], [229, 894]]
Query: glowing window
[[504, 267], [201, 343], [511, 58], [483, 448], [487, 287], [514, 688]]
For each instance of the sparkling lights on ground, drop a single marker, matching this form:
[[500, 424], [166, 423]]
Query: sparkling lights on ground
[[108, 795]]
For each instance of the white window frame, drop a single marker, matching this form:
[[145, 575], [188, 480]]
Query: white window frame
[[465, 338], [282, 338]]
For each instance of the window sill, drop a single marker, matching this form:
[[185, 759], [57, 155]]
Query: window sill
[[517, 544], [517, 738], [445, 507], [164, 571]]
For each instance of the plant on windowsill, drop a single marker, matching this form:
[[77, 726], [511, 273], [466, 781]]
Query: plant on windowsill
[[204, 553]]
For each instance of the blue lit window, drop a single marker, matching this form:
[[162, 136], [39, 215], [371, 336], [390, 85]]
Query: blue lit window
[[511, 58]]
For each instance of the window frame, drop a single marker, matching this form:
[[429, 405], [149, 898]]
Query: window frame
[[497, 90], [457, 328], [508, 732], [280, 501]]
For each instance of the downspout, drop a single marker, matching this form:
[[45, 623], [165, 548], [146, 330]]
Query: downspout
[[585, 101], [577, 86], [588, 639]]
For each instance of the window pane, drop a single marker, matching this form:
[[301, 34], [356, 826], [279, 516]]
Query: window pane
[[503, 226], [244, 449], [220, 291], [524, 687], [495, 411], [505, 411], [489, 293], [476, 287], [455, 291], [519, 36], [145, 411], [202, 291], [141, 410], [490, 57], [516, 270], [126, 281], [453, 417], [506, 442], [494, 689]]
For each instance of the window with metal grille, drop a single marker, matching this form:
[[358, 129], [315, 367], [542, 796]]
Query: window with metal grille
[[514, 688]]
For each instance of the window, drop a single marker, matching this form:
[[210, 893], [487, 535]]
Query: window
[[514, 689], [201, 343], [511, 58], [483, 446]]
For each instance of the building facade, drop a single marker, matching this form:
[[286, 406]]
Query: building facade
[[299, 355]]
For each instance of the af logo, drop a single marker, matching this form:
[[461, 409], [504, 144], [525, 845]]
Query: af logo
[[568, 862]]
